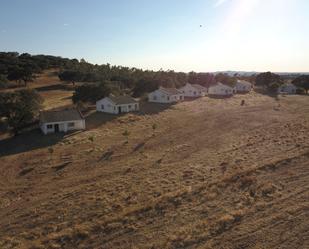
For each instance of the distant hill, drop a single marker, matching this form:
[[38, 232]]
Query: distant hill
[[250, 73]]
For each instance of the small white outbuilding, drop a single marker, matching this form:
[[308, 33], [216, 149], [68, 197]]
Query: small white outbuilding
[[193, 90], [117, 105], [287, 88], [220, 89], [243, 86], [61, 121], [165, 95]]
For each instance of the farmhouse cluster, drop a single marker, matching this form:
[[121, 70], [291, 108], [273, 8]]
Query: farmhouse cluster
[[69, 120]]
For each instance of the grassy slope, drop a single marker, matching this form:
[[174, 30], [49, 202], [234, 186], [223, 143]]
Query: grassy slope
[[214, 175], [55, 93]]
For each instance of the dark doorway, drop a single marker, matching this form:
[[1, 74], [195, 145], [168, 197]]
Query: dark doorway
[[56, 127], [119, 109]]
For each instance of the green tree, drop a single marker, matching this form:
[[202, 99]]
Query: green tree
[[226, 79], [4, 83], [20, 108], [266, 79], [273, 87], [90, 92], [145, 85], [126, 134], [18, 74], [50, 151], [302, 82], [154, 127]]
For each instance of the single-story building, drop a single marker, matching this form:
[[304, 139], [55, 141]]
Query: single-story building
[[220, 89], [193, 90], [61, 121], [287, 88], [117, 105], [243, 86], [165, 95]]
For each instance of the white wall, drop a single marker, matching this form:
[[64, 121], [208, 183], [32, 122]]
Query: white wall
[[162, 97], [220, 90], [105, 105], [243, 87], [190, 91], [128, 107], [63, 126], [289, 89]]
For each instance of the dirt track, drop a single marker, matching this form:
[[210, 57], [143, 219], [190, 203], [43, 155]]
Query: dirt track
[[214, 174]]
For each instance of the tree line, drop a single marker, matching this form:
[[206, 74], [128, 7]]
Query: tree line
[[22, 68], [22, 107], [272, 82]]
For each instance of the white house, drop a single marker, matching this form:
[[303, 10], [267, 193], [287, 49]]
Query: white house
[[220, 89], [61, 121], [287, 88], [193, 90], [165, 95], [116, 105], [243, 86]]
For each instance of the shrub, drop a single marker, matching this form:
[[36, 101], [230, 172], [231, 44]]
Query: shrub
[[300, 90], [90, 93], [273, 87]]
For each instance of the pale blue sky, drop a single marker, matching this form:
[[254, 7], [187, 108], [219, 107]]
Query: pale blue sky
[[247, 35]]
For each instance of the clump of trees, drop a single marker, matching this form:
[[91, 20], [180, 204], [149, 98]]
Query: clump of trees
[[91, 92], [23, 67], [302, 82], [20, 108], [269, 81], [4, 83], [226, 79], [203, 79]]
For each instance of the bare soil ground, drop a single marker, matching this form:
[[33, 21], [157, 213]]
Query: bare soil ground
[[213, 174]]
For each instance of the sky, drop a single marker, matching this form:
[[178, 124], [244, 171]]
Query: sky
[[180, 35]]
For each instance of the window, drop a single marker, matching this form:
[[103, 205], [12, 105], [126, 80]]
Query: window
[[71, 124], [154, 97], [168, 98], [135, 106], [50, 126], [102, 107], [129, 106]]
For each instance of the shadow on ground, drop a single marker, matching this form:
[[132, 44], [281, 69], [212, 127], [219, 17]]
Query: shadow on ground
[[148, 108], [220, 96], [30, 140], [54, 87], [96, 119]]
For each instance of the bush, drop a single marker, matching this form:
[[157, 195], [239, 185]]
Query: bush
[[300, 90], [90, 93], [273, 87], [4, 83], [20, 108]]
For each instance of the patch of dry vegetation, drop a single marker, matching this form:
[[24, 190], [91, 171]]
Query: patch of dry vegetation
[[211, 174]]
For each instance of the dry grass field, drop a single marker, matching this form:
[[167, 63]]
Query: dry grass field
[[55, 93], [213, 174]]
